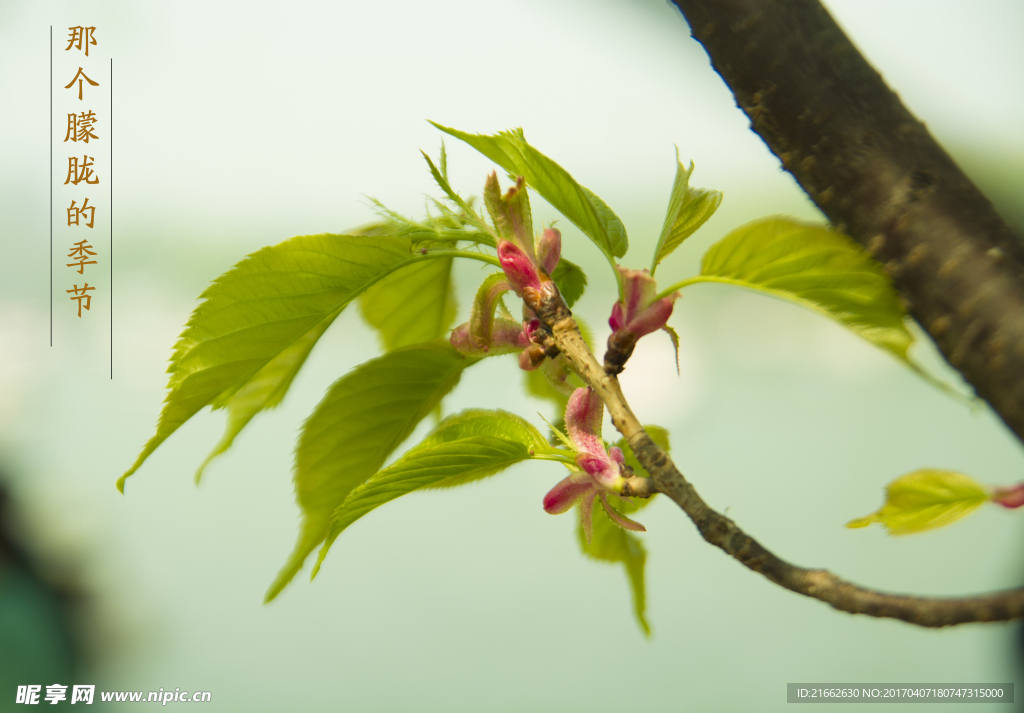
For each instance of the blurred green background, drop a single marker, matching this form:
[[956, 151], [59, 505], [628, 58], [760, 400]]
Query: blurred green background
[[240, 124]]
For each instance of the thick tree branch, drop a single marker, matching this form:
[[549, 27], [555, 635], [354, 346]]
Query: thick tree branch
[[877, 173], [724, 533]]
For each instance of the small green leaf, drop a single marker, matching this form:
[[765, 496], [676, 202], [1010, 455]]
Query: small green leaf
[[924, 500], [658, 434], [413, 305], [258, 322], [817, 268], [610, 543], [688, 209], [433, 231], [466, 216], [539, 385], [589, 213], [571, 281], [363, 417], [464, 448]]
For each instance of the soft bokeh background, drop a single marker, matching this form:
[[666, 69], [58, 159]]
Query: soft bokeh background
[[238, 125]]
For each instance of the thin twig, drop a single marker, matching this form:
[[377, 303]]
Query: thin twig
[[725, 534]]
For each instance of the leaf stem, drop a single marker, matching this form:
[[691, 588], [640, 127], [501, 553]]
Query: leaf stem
[[686, 283], [555, 456], [482, 257]]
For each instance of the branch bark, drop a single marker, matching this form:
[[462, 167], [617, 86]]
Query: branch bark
[[878, 175], [722, 532]]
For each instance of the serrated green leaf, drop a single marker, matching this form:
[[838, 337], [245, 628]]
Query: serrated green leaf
[[610, 543], [472, 423], [467, 215], [688, 209], [431, 232], [924, 500], [264, 390], [589, 213], [571, 281], [414, 305], [363, 417], [464, 448], [259, 320], [613, 227], [817, 268]]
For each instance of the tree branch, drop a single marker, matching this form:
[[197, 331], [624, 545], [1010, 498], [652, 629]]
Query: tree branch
[[723, 533], [878, 175]]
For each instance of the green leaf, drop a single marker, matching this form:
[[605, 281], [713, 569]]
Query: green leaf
[[688, 209], [467, 447], [264, 390], [246, 341], [433, 231], [817, 268], [924, 500], [589, 213], [414, 305], [610, 543], [659, 435], [466, 215], [472, 423], [363, 417], [571, 281], [537, 384]]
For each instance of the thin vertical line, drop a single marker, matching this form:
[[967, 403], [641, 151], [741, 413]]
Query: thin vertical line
[[51, 185], [111, 209]]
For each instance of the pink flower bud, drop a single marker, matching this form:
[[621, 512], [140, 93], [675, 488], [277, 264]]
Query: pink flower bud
[[511, 213], [531, 357], [583, 416], [653, 318], [601, 470], [519, 268], [1009, 497], [486, 301], [638, 312], [506, 337], [549, 249], [567, 493]]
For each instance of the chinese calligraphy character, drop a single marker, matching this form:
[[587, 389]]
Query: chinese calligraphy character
[[78, 35], [80, 127], [80, 294], [56, 693], [84, 76], [29, 695], [83, 172], [74, 213], [82, 694], [81, 252]]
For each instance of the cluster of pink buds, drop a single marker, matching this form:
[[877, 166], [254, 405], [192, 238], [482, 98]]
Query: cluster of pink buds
[[637, 314], [527, 264], [602, 470]]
